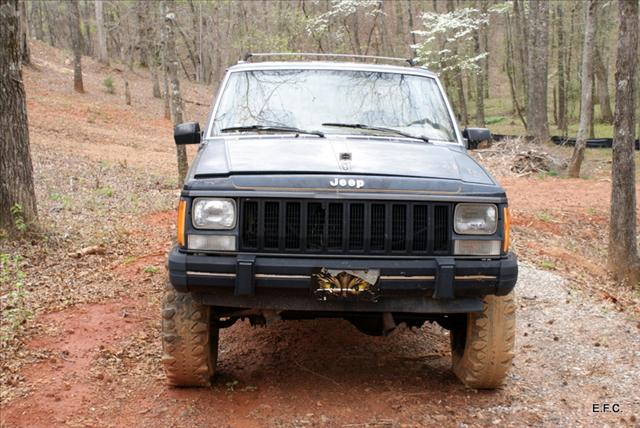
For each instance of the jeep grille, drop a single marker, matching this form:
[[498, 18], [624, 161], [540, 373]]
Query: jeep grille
[[345, 227]]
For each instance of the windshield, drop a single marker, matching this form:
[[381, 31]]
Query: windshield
[[307, 99]]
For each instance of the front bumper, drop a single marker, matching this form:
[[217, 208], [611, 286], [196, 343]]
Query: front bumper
[[252, 281]]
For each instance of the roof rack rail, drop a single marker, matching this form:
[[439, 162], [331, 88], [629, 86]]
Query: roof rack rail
[[247, 56]]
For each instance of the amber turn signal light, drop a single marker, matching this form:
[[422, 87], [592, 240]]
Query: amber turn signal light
[[182, 214], [507, 230]]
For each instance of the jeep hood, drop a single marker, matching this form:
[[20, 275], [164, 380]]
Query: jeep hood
[[311, 155]]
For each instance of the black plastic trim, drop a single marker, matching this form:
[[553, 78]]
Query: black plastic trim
[[254, 276]]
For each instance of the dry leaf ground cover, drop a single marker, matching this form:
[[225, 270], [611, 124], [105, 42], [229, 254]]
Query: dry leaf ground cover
[[81, 342], [561, 224]]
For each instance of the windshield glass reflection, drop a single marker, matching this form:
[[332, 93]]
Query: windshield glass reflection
[[306, 99]]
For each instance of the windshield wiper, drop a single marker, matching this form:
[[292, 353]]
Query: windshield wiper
[[274, 128], [377, 128]]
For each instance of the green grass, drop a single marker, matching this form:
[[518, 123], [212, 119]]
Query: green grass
[[499, 118], [548, 265], [63, 199], [105, 191], [544, 216], [129, 259]]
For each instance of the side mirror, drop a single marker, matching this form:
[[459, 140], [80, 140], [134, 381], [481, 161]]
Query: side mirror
[[475, 136], [187, 133]]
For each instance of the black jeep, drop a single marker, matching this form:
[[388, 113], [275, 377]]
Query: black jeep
[[335, 189]]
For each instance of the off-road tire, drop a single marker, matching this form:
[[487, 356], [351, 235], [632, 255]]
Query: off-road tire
[[482, 344], [189, 341]]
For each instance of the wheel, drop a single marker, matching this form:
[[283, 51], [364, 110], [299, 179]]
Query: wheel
[[482, 344], [189, 341]]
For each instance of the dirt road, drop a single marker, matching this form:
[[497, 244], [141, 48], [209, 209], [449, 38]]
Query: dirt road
[[96, 350], [571, 354]]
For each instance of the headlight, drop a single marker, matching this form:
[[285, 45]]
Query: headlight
[[214, 213], [475, 219]]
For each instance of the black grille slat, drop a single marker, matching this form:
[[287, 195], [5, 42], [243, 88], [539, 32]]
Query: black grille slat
[[315, 226], [420, 227], [271, 224], [377, 227], [345, 227], [398, 227], [250, 224], [356, 226], [334, 228], [292, 226], [441, 228]]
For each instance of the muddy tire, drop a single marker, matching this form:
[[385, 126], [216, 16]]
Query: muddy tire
[[482, 344], [189, 341]]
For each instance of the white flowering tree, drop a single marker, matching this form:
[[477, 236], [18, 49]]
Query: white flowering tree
[[342, 20], [450, 46], [448, 38]]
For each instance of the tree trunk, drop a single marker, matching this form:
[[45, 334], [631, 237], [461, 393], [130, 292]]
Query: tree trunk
[[510, 69], [521, 46], [53, 37], [485, 48], [127, 93], [153, 68], [25, 52], [457, 77], [176, 97], [163, 60], [569, 62], [167, 97], [87, 41], [76, 44], [623, 250], [479, 76], [101, 34], [17, 194], [36, 13], [537, 120], [562, 86], [411, 28], [146, 20], [585, 99], [592, 128], [603, 87]]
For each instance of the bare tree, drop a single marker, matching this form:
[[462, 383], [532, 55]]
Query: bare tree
[[101, 34], [36, 18], [163, 64], [623, 250], [25, 52], [520, 42], [177, 105], [562, 82], [127, 93], [148, 51], [511, 72], [17, 194], [601, 73], [538, 54], [457, 77], [479, 81], [586, 112], [76, 44]]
